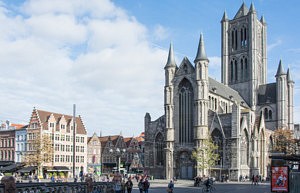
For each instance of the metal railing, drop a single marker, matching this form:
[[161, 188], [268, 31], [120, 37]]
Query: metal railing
[[63, 187]]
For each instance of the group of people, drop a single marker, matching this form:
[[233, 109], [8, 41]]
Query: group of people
[[255, 179], [120, 185], [143, 184]]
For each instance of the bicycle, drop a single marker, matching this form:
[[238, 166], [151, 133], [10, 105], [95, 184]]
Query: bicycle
[[210, 188]]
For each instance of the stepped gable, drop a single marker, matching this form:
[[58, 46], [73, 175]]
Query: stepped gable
[[44, 117]]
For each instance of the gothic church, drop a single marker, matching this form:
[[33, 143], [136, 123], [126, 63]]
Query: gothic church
[[239, 113]]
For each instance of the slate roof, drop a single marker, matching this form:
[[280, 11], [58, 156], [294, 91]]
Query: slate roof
[[225, 91], [242, 11], [267, 93], [105, 139], [127, 140]]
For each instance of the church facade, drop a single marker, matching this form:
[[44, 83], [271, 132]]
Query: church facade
[[239, 113]]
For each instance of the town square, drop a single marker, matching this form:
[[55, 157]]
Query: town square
[[149, 96]]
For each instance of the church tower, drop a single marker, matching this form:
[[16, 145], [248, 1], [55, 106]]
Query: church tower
[[243, 50], [201, 101], [290, 88], [170, 69], [282, 94]]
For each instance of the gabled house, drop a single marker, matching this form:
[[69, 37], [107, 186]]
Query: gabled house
[[59, 128]]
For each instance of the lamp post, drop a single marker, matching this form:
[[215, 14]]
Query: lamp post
[[118, 153]]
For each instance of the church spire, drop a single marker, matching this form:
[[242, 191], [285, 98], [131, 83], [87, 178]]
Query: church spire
[[279, 70], [201, 54], [225, 17], [252, 8], [262, 19], [289, 76], [171, 59], [242, 11]]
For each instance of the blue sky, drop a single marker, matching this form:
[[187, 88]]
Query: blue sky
[[107, 57]]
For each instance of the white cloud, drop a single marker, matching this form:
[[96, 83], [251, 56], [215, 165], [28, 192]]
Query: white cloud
[[160, 32], [274, 45], [56, 53], [214, 69]]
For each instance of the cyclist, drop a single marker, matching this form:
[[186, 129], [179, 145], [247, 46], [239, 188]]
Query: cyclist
[[208, 185]]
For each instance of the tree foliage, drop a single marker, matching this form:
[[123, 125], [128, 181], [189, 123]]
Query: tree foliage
[[206, 156], [42, 152], [284, 141]]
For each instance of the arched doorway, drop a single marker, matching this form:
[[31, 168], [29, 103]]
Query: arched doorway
[[185, 165]]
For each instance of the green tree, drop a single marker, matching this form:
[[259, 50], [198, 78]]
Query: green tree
[[206, 155], [41, 152]]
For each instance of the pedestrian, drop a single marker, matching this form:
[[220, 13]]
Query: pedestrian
[[256, 179], [146, 185], [118, 187], [171, 186], [252, 179], [123, 184], [141, 186], [129, 185]]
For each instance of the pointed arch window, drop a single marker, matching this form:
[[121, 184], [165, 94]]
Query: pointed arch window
[[245, 148], [185, 112], [159, 149], [242, 69], [235, 40], [246, 68], [231, 71], [236, 70], [232, 40], [218, 140], [266, 113], [243, 37]]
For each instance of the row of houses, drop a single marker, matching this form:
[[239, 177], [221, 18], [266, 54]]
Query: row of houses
[[94, 154]]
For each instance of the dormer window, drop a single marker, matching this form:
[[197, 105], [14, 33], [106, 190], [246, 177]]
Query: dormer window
[[214, 89], [51, 125], [267, 113]]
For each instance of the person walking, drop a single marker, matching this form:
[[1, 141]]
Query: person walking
[[117, 180], [141, 186], [171, 186], [146, 185], [123, 186], [129, 185]]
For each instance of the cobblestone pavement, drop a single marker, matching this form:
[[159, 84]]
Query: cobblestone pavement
[[186, 186]]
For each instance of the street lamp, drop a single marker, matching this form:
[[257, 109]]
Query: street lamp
[[118, 153]]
